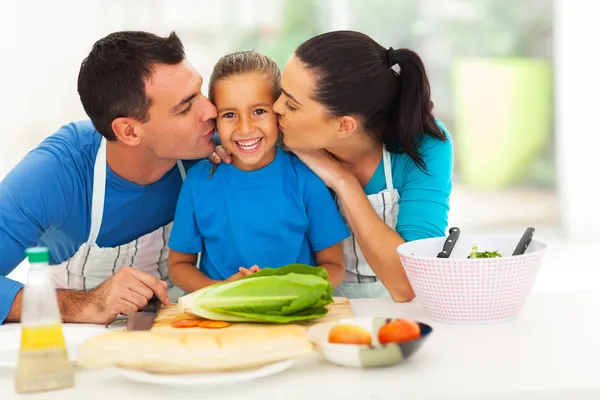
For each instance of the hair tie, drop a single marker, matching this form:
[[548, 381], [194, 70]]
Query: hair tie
[[392, 57]]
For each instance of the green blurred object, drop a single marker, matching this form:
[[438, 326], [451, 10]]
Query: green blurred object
[[301, 20], [503, 117]]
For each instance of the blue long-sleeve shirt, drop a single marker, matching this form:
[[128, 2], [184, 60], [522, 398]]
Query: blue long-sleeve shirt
[[46, 200]]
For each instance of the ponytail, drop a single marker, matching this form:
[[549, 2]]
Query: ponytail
[[412, 113], [354, 76]]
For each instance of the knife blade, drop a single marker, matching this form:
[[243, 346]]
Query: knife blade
[[143, 319]]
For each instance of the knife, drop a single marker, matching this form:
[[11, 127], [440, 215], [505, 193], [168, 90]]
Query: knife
[[524, 242], [143, 319], [453, 235]]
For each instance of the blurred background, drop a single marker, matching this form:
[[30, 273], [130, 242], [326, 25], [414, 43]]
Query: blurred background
[[511, 79]]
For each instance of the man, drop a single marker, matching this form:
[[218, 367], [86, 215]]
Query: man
[[101, 194]]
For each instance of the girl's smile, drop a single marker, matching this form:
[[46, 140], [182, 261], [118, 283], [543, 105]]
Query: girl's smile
[[248, 146], [246, 122]]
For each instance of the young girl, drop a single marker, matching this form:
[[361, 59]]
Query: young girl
[[266, 208]]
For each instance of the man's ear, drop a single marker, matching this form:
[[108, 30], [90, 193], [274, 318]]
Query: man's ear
[[347, 125], [126, 130]]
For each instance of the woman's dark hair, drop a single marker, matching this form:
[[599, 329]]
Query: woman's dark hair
[[354, 76], [111, 82], [245, 62]]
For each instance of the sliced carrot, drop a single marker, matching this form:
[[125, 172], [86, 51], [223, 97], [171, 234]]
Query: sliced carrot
[[186, 323], [214, 324]]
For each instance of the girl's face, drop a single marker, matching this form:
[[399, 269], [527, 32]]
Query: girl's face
[[305, 123], [246, 123]]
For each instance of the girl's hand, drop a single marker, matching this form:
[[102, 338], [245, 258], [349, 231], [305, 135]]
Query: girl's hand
[[243, 272], [322, 163], [249, 271], [220, 154]]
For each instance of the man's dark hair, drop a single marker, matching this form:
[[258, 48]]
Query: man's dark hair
[[111, 82]]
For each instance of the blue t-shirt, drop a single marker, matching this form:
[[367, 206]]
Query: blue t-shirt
[[46, 200], [274, 216], [424, 195]]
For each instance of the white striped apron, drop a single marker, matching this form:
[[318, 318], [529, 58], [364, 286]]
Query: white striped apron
[[91, 265], [360, 280]]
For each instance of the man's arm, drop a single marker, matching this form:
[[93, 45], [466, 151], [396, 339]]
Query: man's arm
[[36, 195], [126, 291], [72, 305], [10, 299]]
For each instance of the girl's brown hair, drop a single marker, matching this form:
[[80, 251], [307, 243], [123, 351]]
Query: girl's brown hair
[[245, 62]]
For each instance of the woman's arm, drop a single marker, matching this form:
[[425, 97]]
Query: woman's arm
[[332, 259], [377, 241]]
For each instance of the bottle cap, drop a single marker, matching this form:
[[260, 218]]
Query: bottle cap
[[37, 254]]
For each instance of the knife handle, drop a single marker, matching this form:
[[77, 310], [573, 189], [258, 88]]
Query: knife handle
[[450, 242], [524, 242], [153, 305]]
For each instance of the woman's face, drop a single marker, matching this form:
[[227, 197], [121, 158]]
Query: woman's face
[[304, 122]]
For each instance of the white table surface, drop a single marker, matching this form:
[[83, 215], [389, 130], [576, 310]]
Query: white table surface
[[552, 351]]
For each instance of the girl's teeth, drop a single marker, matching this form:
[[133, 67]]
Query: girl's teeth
[[249, 144]]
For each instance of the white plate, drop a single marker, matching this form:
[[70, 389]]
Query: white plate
[[75, 334], [205, 379]]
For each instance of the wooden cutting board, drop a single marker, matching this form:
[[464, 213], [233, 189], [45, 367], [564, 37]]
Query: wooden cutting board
[[341, 308]]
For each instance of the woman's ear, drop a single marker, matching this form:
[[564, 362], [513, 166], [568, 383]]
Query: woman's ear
[[347, 125], [125, 130]]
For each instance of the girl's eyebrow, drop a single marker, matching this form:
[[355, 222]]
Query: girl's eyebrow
[[252, 106]]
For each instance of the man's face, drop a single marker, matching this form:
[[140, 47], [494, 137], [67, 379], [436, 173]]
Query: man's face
[[181, 124]]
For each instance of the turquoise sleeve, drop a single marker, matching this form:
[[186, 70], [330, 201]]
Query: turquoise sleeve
[[425, 196]]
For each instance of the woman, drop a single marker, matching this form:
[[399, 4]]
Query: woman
[[360, 117]]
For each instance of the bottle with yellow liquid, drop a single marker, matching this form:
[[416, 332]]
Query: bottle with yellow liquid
[[43, 361]]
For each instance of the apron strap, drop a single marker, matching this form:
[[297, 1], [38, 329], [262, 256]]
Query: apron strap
[[387, 167], [181, 170], [98, 189]]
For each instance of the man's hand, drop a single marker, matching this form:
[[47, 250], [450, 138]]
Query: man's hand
[[126, 291], [220, 154]]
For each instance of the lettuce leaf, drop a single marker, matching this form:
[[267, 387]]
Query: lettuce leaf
[[294, 292], [483, 254]]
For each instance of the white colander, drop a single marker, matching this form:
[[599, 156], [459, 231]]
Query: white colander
[[480, 290]]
